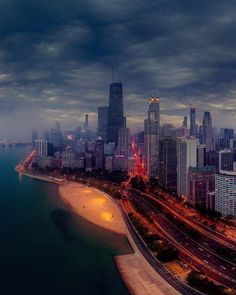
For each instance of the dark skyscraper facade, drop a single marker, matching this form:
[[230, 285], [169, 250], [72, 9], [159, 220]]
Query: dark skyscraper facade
[[168, 164], [193, 126], [207, 130], [103, 122], [115, 112], [99, 153], [226, 159], [227, 136]]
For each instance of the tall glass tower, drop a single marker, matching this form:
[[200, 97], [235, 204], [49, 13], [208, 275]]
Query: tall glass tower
[[152, 136], [115, 113]]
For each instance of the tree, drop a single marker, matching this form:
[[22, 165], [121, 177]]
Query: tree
[[167, 254], [200, 282]]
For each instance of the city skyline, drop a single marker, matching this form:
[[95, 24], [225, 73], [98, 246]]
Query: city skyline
[[56, 60], [118, 147]]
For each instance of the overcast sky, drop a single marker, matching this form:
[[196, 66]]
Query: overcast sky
[[56, 58]]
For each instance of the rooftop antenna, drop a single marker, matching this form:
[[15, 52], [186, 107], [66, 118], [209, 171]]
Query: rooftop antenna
[[119, 76], [112, 73]]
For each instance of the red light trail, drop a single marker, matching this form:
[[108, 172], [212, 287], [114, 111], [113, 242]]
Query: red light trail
[[139, 165]]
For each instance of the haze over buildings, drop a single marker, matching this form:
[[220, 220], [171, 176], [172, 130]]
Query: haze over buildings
[[56, 59]]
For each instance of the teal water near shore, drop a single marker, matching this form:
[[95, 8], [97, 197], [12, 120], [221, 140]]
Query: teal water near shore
[[44, 248]]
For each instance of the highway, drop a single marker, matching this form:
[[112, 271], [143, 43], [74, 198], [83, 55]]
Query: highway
[[221, 238], [158, 266], [201, 257], [192, 223], [208, 243], [205, 239]]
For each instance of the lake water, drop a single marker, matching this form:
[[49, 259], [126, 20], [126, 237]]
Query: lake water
[[44, 249]]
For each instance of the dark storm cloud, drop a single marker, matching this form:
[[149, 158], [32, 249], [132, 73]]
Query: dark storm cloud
[[56, 58]]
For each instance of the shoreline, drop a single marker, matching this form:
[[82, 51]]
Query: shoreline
[[70, 207], [137, 274]]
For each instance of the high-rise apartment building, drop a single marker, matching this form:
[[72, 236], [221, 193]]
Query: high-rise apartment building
[[186, 158], [41, 148], [115, 112], [225, 193], [151, 137], [201, 181], [123, 141]]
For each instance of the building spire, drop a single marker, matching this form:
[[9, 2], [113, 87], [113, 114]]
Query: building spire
[[112, 73]]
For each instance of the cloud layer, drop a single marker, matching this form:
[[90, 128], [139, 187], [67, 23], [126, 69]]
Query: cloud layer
[[56, 59]]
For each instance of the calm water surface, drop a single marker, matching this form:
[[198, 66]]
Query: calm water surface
[[46, 250]]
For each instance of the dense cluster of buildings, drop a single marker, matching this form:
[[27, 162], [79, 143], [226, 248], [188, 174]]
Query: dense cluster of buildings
[[107, 149], [197, 163]]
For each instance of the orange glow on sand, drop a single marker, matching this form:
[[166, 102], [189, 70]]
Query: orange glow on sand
[[98, 201], [107, 216], [95, 206]]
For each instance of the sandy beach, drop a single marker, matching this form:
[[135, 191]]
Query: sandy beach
[[93, 205], [100, 209]]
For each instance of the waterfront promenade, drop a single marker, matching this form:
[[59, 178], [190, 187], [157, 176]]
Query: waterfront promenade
[[100, 209]]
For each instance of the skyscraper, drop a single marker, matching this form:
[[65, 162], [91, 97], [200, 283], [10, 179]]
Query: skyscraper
[[201, 181], [201, 155], [207, 130], [41, 148], [103, 122], [184, 127], [99, 153], [115, 113], [168, 164], [226, 159], [227, 136], [123, 141], [193, 126], [186, 158], [151, 137], [225, 196]]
